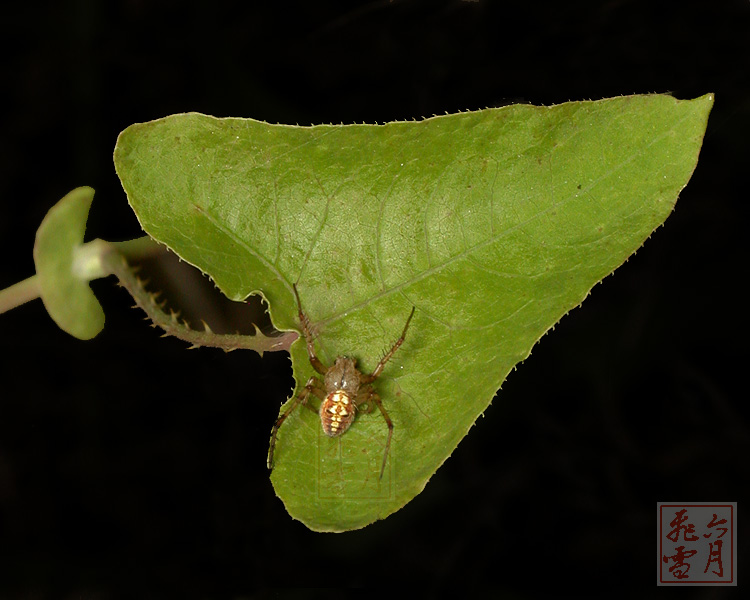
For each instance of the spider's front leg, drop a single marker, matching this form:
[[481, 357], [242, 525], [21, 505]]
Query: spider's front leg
[[381, 365], [364, 402], [307, 331], [314, 386]]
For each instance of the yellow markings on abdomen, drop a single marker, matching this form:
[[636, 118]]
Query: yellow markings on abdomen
[[336, 413]]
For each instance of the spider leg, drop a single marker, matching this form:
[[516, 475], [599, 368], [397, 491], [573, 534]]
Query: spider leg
[[314, 386], [370, 395], [314, 360], [379, 368]]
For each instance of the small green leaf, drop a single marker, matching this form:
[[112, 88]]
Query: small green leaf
[[494, 224], [63, 285]]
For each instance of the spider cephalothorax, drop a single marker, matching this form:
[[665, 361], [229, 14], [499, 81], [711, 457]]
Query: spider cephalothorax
[[343, 391]]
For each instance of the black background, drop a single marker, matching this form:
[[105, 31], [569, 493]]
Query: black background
[[130, 467]]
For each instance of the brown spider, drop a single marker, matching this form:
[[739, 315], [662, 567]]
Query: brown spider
[[343, 391]]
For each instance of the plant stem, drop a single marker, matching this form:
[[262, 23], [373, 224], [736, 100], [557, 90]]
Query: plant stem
[[19, 293], [172, 325], [28, 289], [139, 248], [99, 258]]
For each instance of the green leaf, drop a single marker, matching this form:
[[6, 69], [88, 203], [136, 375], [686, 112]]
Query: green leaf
[[494, 224], [61, 266]]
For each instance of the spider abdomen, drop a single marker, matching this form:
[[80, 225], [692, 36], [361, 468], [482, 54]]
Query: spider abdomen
[[337, 413]]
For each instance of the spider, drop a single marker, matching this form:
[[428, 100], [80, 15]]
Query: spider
[[343, 391]]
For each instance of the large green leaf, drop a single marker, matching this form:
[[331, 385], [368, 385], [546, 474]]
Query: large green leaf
[[494, 224]]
